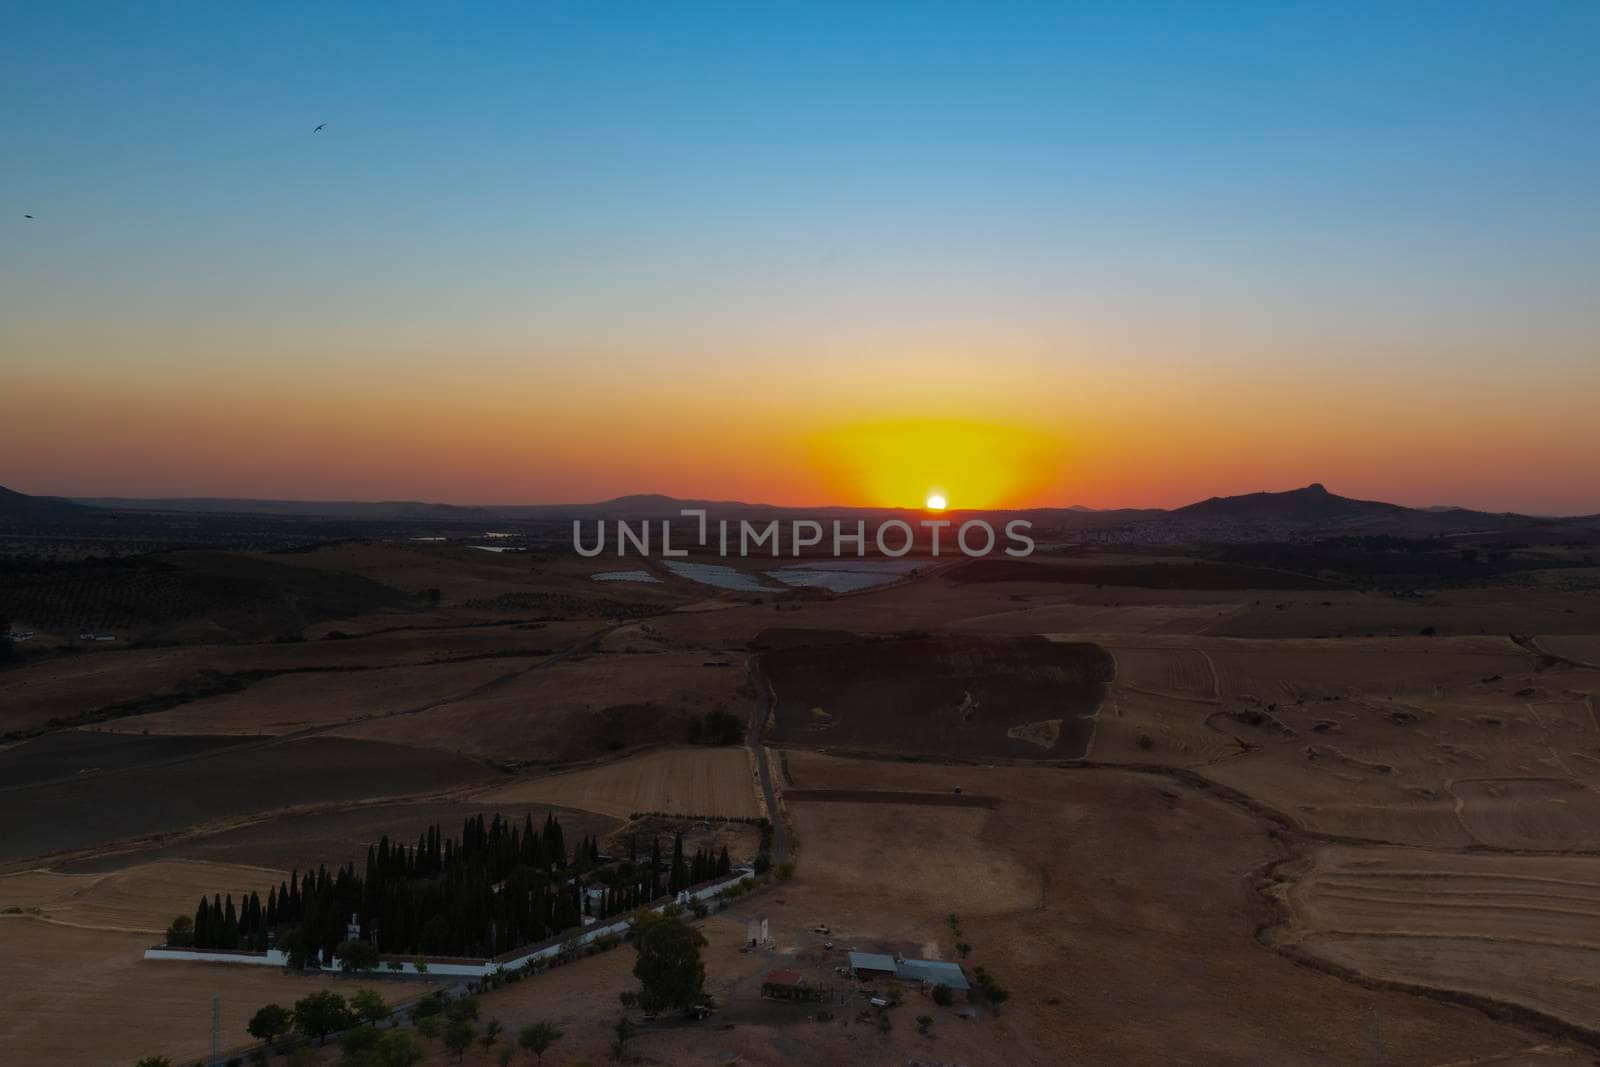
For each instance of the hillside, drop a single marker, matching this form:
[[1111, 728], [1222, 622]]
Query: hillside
[[21, 509], [1312, 504], [224, 596]]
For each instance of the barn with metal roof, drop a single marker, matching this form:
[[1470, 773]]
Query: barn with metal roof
[[929, 972]]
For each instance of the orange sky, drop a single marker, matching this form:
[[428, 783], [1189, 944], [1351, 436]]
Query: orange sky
[[874, 434]]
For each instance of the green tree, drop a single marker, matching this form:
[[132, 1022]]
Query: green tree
[[458, 1037], [669, 969], [356, 956], [538, 1037], [180, 932], [366, 1047], [619, 1044], [368, 1006], [396, 1049], [359, 1044], [992, 991], [270, 1023], [320, 1014], [464, 1010], [491, 1032], [154, 1061]]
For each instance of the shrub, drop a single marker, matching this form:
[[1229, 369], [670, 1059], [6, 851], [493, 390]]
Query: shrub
[[430, 1005], [180, 934], [942, 996]]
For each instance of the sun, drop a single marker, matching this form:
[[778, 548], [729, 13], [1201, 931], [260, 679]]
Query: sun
[[937, 502]]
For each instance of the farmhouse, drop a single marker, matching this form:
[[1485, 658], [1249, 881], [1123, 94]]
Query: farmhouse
[[924, 972], [790, 985]]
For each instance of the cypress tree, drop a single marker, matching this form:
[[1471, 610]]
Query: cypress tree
[[202, 924], [679, 876]]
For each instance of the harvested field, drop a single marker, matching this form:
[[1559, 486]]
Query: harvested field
[[143, 898], [1523, 929], [1052, 619], [690, 781], [1530, 813], [886, 796], [578, 709], [112, 684], [293, 702], [474, 581], [1580, 648], [85, 997], [937, 694], [139, 797], [333, 837], [1182, 574], [1185, 672]]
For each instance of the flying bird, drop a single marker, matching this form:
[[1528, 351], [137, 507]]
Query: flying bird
[[27, 216], [319, 128]]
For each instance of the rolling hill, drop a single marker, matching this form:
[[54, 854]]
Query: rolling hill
[[1312, 504]]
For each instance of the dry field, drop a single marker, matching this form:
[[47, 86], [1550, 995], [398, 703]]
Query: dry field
[[290, 703], [466, 577], [333, 835], [68, 686], [163, 786], [578, 709], [140, 899], [688, 781], [86, 997], [1580, 648], [1524, 929]]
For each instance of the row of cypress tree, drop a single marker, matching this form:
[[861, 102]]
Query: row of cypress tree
[[494, 888]]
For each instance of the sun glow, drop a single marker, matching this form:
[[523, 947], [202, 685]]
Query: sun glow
[[907, 463]]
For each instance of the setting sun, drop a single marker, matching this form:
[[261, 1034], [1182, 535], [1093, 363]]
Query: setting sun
[[936, 502]]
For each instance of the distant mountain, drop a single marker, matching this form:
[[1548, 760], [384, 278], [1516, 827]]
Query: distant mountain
[[1310, 505], [20, 508], [377, 510]]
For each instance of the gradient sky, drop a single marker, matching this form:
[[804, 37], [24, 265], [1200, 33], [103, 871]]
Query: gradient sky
[[1029, 254]]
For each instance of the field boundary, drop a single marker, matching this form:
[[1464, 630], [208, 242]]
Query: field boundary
[[884, 796]]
